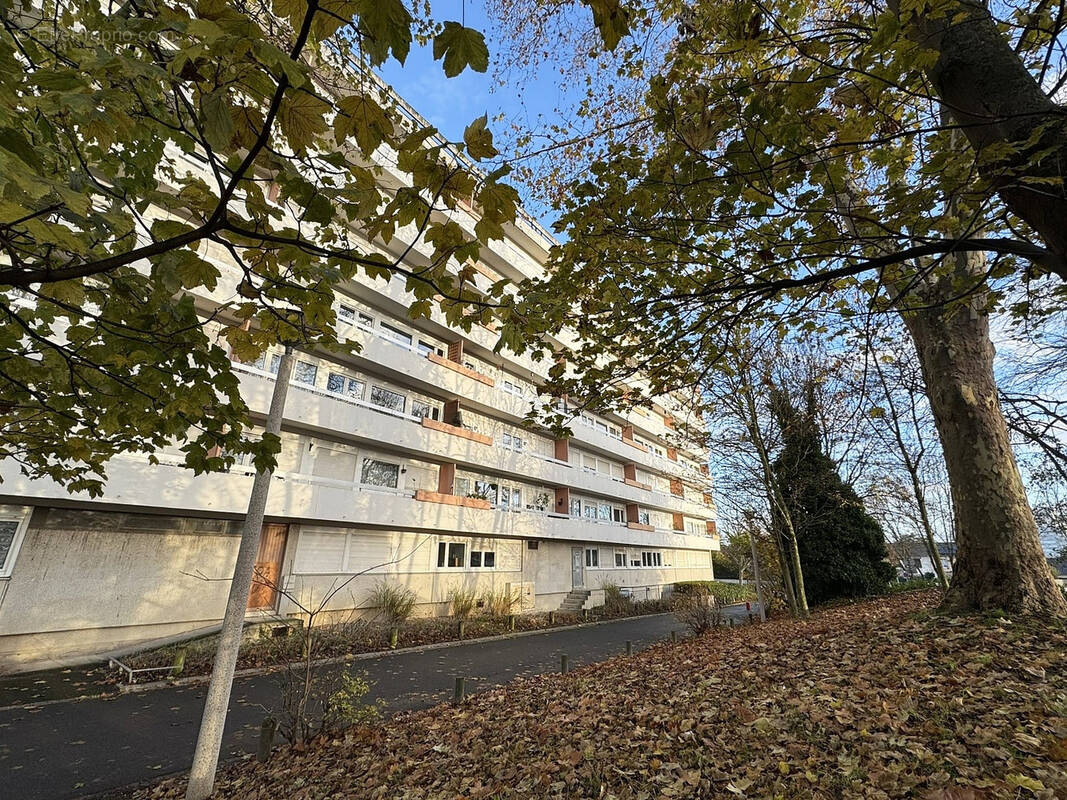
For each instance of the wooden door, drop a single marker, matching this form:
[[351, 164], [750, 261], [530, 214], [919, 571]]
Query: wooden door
[[268, 572]]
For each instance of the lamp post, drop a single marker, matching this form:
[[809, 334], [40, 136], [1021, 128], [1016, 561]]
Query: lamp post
[[209, 742]]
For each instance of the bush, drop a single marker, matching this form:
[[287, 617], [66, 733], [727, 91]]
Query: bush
[[396, 602], [615, 602], [725, 593], [501, 603], [461, 600], [912, 585], [345, 706], [698, 609]]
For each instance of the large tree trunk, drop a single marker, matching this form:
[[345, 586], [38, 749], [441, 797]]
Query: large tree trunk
[[999, 562], [988, 90]]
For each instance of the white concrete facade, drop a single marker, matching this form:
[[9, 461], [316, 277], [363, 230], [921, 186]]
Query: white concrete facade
[[406, 461]]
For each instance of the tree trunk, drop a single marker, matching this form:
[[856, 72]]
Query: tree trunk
[[999, 564], [995, 99]]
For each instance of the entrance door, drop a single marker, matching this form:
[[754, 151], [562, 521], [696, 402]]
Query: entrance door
[[577, 574], [264, 594]]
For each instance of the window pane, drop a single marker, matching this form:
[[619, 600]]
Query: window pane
[[379, 473], [346, 312], [604, 511], [620, 559], [476, 558], [7, 538], [420, 409], [576, 508], [463, 487], [505, 495], [387, 399], [441, 548], [275, 363], [304, 372], [397, 334], [589, 510], [354, 389], [335, 383], [489, 559], [486, 490], [455, 554], [516, 498]]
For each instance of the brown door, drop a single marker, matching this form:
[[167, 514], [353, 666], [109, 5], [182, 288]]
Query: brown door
[[265, 580]]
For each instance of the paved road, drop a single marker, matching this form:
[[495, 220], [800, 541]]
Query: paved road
[[78, 748]]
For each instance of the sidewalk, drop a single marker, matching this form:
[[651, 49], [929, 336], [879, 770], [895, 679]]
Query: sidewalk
[[63, 750]]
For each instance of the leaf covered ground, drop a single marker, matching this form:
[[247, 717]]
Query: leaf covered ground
[[878, 699]]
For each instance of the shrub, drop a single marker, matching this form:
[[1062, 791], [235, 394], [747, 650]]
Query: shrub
[[396, 602], [615, 601], [912, 585], [725, 593], [461, 600], [500, 603], [346, 707], [698, 609]]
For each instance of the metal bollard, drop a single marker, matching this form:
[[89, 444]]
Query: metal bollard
[[394, 637], [629, 648], [511, 622], [462, 628], [266, 739], [563, 665], [674, 636], [457, 694]]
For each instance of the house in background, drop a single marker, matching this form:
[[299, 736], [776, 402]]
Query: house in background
[[912, 558], [407, 461]]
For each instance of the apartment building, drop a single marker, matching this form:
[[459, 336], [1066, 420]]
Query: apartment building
[[406, 461]]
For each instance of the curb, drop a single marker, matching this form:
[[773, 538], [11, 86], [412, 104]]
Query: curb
[[193, 680]]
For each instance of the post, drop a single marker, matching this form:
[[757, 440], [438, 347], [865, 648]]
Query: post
[[462, 628], [750, 516], [563, 663], [179, 663], [209, 741], [629, 648], [674, 636], [457, 693], [266, 739], [511, 622], [394, 637]]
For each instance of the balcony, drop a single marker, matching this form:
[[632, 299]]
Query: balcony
[[169, 487], [338, 417]]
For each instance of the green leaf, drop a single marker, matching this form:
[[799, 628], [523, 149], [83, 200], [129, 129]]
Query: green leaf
[[461, 47], [479, 139], [611, 19], [386, 25], [217, 120]]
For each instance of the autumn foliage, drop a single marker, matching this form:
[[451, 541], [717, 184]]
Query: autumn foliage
[[878, 699]]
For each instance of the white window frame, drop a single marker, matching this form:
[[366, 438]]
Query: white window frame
[[481, 558], [20, 515], [363, 468], [403, 397], [308, 365], [592, 557], [620, 554], [448, 544]]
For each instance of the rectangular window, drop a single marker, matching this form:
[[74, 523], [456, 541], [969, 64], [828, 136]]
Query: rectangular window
[[396, 334], [643, 517], [13, 524], [589, 510], [576, 507], [342, 384], [592, 557], [513, 442], [456, 551], [620, 558], [347, 313], [486, 491], [275, 363], [618, 515], [489, 559], [304, 372], [387, 398], [463, 487], [366, 319], [476, 558], [511, 497], [604, 512], [422, 408], [483, 558], [425, 348], [380, 473]]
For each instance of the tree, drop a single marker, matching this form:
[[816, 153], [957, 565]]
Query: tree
[[780, 165], [842, 548], [150, 153]]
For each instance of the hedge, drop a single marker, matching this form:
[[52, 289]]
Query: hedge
[[726, 592]]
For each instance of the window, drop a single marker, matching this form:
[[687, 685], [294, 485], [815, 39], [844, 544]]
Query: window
[[304, 372], [486, 491], [695, 528], [428, 347], [618, 515], [387, 398], [604, 512], [620, 558], [451, 554], [589, 509], [614, 433], [347, 313], [576, 507], [512, 388], [424, 408], [644, 517], [651, 559], [511, 497], [483, 558], [366, 319], [513, 442], [275, 362], [592, 557], [396, 334], [13, 523], [380, 473], [342, 384]]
